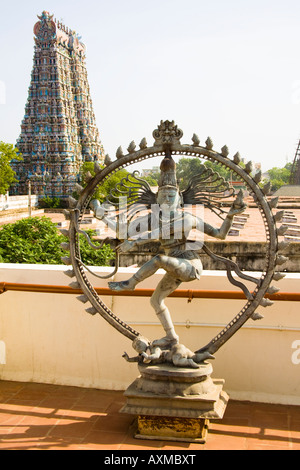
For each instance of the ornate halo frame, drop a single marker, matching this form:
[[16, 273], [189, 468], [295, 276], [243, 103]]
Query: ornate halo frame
[[168, 134]]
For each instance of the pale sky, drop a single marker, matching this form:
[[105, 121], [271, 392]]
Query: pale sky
[[225, 69]]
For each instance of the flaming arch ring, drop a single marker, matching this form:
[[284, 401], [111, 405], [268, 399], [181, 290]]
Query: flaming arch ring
[[271, 218]]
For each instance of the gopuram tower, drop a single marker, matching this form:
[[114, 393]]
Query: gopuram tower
[[58, 132]]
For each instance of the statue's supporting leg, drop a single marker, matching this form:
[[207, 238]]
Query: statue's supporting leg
[[166, 286]]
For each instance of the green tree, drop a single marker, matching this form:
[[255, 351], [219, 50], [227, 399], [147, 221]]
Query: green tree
[[189, 167], [36, 240], [33, 240], [280, 176], [91, 257], [50, 202], [104, 189], [152, 181], [8, 153]]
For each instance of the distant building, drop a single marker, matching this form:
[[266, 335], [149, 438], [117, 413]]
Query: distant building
[[58, 132], [150, 171], [288, 190]]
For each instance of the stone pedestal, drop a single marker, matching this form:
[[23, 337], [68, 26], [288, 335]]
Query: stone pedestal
[[175, 403]]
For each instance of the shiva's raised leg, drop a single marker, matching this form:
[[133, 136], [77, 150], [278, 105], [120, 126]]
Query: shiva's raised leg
[[165, 287], [180, 269]]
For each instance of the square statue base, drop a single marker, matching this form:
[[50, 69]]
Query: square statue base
[[163, 428], [175, 403]]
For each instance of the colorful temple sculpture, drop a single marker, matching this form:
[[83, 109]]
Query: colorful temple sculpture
[[58, 132]]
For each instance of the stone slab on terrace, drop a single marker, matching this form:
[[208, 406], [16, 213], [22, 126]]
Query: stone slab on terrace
[[53, 417]]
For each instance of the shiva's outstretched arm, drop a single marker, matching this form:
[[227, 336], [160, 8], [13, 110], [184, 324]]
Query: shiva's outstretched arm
[[238, 207]]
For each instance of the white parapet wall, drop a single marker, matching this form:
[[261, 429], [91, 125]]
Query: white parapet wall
[[17, 202], [50, 338]]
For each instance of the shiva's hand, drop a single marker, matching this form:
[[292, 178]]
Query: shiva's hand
[[125, 246], [238, 206]]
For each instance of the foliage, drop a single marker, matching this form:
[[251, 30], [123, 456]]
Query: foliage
[[92, 257], [104, 189], [153, 177], [186, 169], [189, 167], [7, 176], [151, 180], [50, 202], [36, 240], [223, 171], [280, 176]]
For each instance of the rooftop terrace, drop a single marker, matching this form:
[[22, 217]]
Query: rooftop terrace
[[49, 338], [53, 417]]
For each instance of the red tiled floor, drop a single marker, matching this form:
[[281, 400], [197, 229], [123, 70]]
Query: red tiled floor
[[52, 417]]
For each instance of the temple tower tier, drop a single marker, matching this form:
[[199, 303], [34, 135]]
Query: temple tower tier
[[59, 131]]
